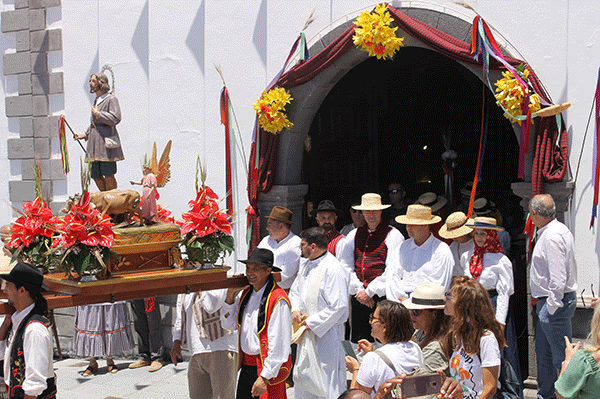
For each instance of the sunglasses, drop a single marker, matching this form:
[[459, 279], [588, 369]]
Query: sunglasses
[[449, 296], [394, 191], [416, 312], [352, 210], [372, 317]]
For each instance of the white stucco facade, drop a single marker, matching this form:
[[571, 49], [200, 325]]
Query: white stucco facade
[[163, 56]]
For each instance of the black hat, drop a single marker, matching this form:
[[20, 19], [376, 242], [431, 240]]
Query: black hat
[[325, 206], [24, 274], [262, 256]]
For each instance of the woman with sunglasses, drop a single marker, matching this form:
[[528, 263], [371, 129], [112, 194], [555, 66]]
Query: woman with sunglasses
[[474, 339], [426, 306], [391, 325]]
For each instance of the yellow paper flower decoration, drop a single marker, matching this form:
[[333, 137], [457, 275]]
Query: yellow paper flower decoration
[[510, 95], [270, 109], [375, 34]]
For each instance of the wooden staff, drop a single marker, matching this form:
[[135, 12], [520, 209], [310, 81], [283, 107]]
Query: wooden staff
[[78, 142]]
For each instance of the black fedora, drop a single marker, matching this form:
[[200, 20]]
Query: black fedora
[[325, 206], [24, 274], [262, 256]]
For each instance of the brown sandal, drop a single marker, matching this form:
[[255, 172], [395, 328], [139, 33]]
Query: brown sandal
[[90, 370], [112, 367]]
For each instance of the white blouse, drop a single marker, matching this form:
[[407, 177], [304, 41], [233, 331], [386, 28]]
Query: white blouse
[[497, 274]]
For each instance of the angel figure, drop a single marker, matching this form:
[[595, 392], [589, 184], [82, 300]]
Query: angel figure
[[156, 174]]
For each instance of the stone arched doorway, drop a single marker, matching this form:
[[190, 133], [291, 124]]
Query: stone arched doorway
[[380, 151]]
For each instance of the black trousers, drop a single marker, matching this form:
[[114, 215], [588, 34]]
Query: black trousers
[[360, 326], [248, 374]]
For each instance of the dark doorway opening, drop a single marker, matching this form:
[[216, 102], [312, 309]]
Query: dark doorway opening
[[385, 121]]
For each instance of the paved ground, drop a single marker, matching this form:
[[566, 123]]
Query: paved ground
[[169, 382]]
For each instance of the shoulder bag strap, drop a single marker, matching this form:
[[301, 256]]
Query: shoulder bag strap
[[387, 360]]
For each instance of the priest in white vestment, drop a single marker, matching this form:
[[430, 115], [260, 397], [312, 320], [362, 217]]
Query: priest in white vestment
[[319, 299]]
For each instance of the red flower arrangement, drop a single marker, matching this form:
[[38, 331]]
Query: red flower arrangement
[[87, 238], [32, 234], [206, 228]]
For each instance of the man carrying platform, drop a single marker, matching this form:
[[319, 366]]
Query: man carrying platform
[[28, 371], [263, 316]]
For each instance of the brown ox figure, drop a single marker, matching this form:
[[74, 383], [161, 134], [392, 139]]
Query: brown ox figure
[[112, 202]]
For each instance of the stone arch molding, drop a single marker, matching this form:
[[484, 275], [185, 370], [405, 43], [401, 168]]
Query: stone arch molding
[[309, 96]]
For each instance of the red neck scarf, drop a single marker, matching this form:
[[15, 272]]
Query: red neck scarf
[[491, 245]]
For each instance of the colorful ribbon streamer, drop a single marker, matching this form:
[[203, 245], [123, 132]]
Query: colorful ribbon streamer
[[64, 149], [225, 105], [483, 45], [596, 164]]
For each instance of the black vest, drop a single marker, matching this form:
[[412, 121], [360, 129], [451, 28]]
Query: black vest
[[17, 361]]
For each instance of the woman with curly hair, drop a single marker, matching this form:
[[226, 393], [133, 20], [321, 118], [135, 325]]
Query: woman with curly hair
[[474, 339]]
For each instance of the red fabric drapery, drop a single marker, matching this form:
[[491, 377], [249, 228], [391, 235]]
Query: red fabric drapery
[[552, 169]]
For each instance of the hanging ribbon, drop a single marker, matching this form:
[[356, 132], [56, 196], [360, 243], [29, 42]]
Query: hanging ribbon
[[596, 164], [64, 149], [482, 140], [483, 46], [228, 150]]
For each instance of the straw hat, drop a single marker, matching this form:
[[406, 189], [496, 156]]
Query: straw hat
[[426, 295], [455, 226], [481, 206], [432, 200], [484, 223], [418, 214], [281, 214], [371, 202], [466, 190]]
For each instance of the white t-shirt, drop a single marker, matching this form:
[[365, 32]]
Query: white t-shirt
[[467, 368], [373, 371]]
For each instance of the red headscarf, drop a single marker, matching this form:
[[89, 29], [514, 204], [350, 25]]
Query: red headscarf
[[492, 245]]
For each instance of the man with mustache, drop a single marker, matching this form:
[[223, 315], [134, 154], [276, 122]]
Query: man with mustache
[[326, 215]]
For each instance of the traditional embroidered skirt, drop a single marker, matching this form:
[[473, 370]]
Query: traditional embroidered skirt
[[102, 330]]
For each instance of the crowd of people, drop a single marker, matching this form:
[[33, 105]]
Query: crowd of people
[[409, 305]]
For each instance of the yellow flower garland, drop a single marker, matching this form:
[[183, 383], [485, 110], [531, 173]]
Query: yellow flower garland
[[375, 34], [510, 95], [270, 109]]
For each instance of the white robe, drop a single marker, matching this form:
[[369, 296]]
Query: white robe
[[328, 322]]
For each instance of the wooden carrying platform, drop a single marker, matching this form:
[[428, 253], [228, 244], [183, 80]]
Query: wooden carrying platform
[[147, 248]]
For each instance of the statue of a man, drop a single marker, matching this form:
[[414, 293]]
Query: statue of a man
[[103, 142]]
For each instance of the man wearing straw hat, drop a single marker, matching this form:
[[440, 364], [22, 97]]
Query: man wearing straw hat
[[420, 258], [263, 317], [284, 244], [366, 252], [455, 229]]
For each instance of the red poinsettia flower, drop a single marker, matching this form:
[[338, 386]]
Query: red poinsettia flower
[[36, 220], [204, 216], [86, 225]]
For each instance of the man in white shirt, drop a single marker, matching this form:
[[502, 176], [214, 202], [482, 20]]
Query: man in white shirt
[[319, 298], [212, 369], [284, 244], [420, 258], [552, 281], [263, 317], [365, 253], [28, 371]]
